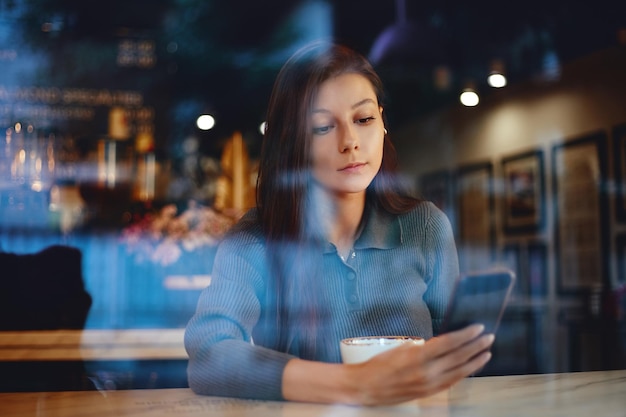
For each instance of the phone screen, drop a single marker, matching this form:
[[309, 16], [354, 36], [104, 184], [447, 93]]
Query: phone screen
[[479, 298]]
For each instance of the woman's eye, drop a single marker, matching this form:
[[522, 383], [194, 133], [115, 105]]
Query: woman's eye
[[364, 120], [321, 130]]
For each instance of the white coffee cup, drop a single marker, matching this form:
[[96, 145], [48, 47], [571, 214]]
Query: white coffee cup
[[361, 349]]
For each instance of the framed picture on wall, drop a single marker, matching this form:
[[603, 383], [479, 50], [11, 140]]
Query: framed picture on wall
[[619, 164], [580, 212], [475, 202], [524, 195]]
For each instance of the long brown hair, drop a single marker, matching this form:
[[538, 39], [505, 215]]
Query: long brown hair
[[283, 192]]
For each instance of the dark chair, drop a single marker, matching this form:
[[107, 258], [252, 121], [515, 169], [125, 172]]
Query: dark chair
[[43, 291]]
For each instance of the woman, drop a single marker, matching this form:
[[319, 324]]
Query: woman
[[334, 249]]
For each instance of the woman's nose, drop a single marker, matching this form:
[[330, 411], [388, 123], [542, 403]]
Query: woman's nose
[[348, 139]]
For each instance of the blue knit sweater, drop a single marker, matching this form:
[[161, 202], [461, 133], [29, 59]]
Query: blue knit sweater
[[396, 282]]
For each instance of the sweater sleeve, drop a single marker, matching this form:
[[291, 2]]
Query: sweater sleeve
[[443, 265], [223, 360]]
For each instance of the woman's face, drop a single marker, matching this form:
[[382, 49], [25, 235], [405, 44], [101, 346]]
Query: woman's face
[[347, 134]]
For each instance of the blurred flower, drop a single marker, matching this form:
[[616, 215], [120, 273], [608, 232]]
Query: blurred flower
[[162, 236]]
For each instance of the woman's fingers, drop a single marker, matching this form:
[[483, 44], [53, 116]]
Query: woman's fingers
[[465, 360], [412, 371], [452, 376], [459, 362], [438, 355], [442, 371], [448, 342]]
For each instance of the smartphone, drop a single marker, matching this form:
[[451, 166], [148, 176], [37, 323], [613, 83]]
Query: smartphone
[[479, 297]]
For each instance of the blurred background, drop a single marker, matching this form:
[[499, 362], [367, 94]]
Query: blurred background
[[131, 131]]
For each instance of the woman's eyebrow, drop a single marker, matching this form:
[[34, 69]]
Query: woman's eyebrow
[[354, 106], [362, 102]]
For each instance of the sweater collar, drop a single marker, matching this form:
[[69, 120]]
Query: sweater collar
[[381, 230]]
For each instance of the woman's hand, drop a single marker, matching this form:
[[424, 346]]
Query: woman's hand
[[413, 371], [398, 375]]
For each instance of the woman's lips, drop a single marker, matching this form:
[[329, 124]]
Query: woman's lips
[[352, 167]]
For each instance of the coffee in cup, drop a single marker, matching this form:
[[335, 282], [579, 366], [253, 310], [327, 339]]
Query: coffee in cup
[[361, 349]]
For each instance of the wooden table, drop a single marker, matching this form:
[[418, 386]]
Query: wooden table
[[64, 360], [596, 394], [55, 345]]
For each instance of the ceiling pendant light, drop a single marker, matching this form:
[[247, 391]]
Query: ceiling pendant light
[[469, 97], [496, 78]]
